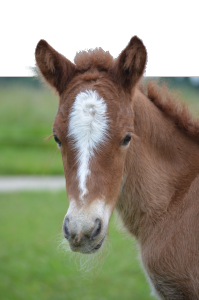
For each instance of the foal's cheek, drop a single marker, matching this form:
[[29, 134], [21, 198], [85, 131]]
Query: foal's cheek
[[64, 162], [64, 158]]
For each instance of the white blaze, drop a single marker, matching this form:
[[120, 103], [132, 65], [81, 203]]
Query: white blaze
[[88, 127]]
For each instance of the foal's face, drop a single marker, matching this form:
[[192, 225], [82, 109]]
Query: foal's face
[[93, 130]]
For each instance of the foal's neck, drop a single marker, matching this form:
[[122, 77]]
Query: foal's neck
[[160, 167]]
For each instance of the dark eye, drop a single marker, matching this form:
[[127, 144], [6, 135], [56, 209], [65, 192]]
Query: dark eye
[[126, 140], [57, 140]]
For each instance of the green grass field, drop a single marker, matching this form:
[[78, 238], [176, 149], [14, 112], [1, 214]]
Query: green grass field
[[26, 118], [31, 266], [27, 113]]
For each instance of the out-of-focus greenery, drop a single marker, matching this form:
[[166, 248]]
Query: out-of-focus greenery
[[30, 223], [32, 268], [27, 111]]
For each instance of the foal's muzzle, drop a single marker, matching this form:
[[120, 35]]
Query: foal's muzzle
[[83, 235]]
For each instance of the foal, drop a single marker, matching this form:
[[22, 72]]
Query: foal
[[130, 150]]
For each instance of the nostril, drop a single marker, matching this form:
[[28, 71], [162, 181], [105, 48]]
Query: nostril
[[96, 230], [65, 229]]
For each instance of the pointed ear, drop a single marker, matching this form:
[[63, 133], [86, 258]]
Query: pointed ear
[[130, 64], [55, 68]]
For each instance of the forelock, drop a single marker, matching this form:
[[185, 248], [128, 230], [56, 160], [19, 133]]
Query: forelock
[[98, 58]]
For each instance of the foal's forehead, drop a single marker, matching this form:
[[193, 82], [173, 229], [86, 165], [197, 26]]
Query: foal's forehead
[[88, 116], [97, 100]]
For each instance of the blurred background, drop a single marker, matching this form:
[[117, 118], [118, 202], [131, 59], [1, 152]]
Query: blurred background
[[31, 265], [27, 111]]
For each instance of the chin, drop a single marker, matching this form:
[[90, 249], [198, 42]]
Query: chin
[[88, 249]]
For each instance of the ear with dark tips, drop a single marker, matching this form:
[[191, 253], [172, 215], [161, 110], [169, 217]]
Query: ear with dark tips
[[130, 64], [55, 68]]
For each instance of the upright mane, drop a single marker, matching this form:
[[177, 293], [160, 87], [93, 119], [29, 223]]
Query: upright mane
[[99, 58], [168, 102]]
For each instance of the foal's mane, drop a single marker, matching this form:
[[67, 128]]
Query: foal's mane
[[169, 103]]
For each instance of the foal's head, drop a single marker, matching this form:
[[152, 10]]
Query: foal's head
[[93, 129]]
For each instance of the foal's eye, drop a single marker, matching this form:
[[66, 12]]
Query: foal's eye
[[126, 140], [57, 140]]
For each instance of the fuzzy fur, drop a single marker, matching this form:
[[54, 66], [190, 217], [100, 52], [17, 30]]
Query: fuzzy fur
[[153, 181]]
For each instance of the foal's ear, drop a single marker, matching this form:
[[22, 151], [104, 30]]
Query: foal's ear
[[130, 64], [55, 68]]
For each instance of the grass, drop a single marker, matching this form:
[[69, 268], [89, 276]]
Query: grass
[[27, 112], [32, 268], [26, 118]]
